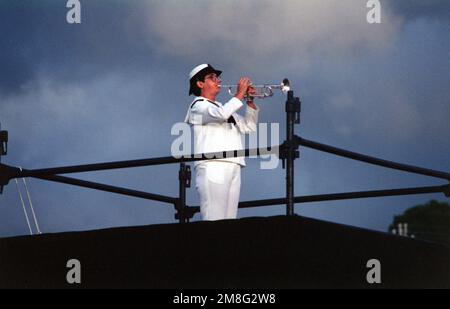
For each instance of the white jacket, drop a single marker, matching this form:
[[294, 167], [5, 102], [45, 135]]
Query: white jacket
[[213, 127]]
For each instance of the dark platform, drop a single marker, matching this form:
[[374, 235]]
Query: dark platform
[[273, 252]]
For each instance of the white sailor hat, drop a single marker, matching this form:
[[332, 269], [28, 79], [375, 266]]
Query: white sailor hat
[[199, 72]]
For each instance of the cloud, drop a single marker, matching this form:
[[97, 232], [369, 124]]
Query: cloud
[[72, 122], [37, 40], [265, 32]]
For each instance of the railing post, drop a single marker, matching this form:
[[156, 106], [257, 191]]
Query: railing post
[[290, 149], [3, 143], [184, 177], [3, 152]]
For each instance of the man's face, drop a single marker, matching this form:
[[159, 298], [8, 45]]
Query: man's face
[[211, 84]]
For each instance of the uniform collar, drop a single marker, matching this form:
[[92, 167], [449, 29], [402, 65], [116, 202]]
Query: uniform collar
[[203, 98]]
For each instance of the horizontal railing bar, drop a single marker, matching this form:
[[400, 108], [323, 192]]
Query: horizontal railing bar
[[339, 196], [372, 160], [108, 188], [145, 162]]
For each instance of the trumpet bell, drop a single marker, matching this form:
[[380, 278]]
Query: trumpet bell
[[286, 85]]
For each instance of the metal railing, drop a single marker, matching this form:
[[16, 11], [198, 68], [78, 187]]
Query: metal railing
[[287, 152]]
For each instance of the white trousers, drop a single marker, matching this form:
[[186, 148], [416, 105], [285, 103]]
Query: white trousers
[[219, 184]]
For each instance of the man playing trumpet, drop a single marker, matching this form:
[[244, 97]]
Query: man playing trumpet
[[217, 128]]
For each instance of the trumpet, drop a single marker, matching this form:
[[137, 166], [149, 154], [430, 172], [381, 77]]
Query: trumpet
[[262, 91]]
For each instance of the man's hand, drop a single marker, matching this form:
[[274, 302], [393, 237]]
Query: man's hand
[[242, 87]]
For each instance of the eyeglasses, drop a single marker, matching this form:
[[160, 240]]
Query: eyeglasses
[[213, 77]]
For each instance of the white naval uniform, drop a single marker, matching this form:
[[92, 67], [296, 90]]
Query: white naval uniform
[[219, 128]]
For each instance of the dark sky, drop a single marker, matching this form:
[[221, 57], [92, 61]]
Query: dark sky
[[112, 87]]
